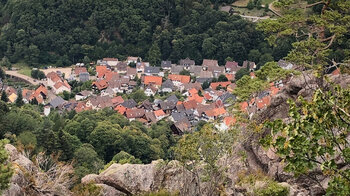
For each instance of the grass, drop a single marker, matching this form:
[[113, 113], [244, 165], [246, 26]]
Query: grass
[[263, 2], [23, 68], [240, 3]]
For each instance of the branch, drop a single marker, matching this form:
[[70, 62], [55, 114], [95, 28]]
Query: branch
[[311, 5], [330, 43]]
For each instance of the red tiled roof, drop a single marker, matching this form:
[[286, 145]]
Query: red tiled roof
[[102, 84], [274, 90], [159, 113], [196, 97], [244, 106], [61, 84], [181, 78], [156, 80], [117, 100], [191, 104], [101, 70], [265, 101], [53, 76], [252, 75], [110, 59], [209, 62], [193, 91], [229, 120], [79, 70], [231, 64], [135, 113], [207, 96], [215, 112], [230, 76], [121, 109], [109, 75], [214, 85]]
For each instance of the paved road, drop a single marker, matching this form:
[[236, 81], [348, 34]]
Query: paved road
[[24, 77]]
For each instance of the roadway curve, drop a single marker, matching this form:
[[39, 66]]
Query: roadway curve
[[24, 77]]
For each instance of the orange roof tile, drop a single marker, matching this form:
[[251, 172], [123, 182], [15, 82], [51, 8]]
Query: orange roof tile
[[101, 70], [244, 106], [336, 72], [274, 90], [159, 113], [102, 84], [121, 109], [156, 80], [193, 91], [230, 76], [252, 75], [265, 101], [180, 78], [117, 100], [191, 104], [179, 102], [214, 85], [215, 112], [207, 96], [229, 120], [197, 98]]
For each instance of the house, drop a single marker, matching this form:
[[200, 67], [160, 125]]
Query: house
[[81, 106], [252, 75], [230, 88], [130, 103], [284, 64], [26, 95], [206, 74], [132, 59], [111, 61], [152, 71], [147, 105], [215, 113], [133, 114], [249, 65], [181, 126], [101, 70], [60, 87], [131, 72], [209, 63], [100, 85], [166, 65], [230, 77], [195, 70], [40, 94], [216, 70], [194, 85], [190, 105], [159, 114], [79, 70], [84, 77], [12, 98], [196, 98], [225, 100], [177, 116], [140, 67], [177, 69], [179, 80], [150, 117], [120, 109], [153, 80], [150, 90], [232, 67], [186, 62], [57, 102], [122, 67], [228, 122], [202, 80], [215, 85], [167, 86], [117, 100]]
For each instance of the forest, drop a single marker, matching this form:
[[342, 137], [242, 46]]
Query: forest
[[61, 33]]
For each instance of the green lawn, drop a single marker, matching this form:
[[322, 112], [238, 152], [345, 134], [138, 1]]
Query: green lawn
[[23, 68]]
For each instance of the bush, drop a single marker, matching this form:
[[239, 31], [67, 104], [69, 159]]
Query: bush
[[273, 189]]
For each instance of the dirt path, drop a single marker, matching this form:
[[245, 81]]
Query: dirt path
[[24, 77]]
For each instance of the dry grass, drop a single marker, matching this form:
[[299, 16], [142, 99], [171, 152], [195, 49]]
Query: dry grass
[[241, 3]]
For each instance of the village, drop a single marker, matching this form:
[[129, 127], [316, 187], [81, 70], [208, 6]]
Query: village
[[183, 93]]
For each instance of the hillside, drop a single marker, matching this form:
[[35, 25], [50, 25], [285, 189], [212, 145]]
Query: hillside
[[65, 32]]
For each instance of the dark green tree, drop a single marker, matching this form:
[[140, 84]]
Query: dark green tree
[[222, 78], [5, 168], [250, 5], [19, 101], [5, 62], [154, 55], [240, 73], [4, 97]]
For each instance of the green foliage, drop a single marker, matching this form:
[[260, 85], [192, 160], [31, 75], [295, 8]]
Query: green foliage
[[4, 97], [2, 74], [66, 33], [273, 189], [205, 85], [316, 137], [138, 95], [222, 78], [86, 190], [86, 161], [37, 74], [124, 157], [19, 101], [247, 86], [250, 5], [5, 167], [27, 138], [185, 72], [205, 148], [271, 72], [5, 62], [240, 73], [311, 48]]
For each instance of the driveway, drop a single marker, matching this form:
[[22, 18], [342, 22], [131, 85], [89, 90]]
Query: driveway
[[24, 77]]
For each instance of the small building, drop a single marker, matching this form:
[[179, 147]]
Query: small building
[[166, 65]]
